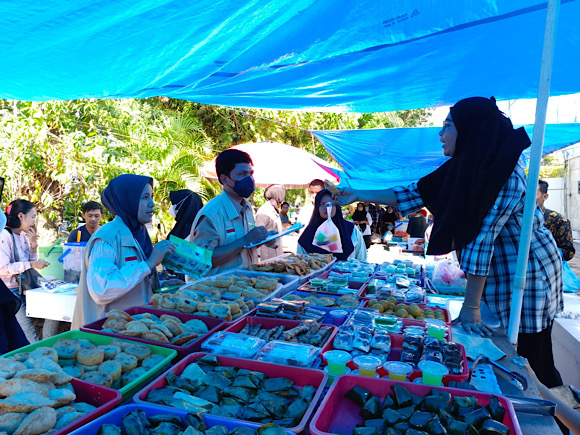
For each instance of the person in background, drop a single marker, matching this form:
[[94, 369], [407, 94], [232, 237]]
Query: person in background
[[11, 334], [362, 219], [558, 225], [120, 267], [353, 245], [481, 216], [373, 210], [226, 223], [306, 212], [92, 213], [389, 219], [284, 208], [18, 253], [268, 216], [417, 225], [185, 205]]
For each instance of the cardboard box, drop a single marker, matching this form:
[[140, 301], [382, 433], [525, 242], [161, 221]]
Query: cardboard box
[[54, 306]]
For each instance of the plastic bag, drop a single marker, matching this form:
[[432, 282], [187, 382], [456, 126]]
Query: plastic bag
[[327, 236], [571, 281], [448, 274]]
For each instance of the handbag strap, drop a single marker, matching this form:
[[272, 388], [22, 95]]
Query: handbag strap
[[18, 276]]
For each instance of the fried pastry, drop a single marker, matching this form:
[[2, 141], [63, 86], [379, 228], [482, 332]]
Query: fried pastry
[[139, 351], [24, 402], [99, 378], [136, 325], [197, 326], [20, 385], [91, 357], [67, 349], [155, 335], [65, 419], [38, 422], [110, 350], [173, 326], [36, 375], [184, 338], [128, 362], [119, 314], [43, 352], [61, 397], [112, 367], [9, 422]]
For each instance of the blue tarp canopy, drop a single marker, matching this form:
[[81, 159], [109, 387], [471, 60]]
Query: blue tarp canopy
[[381, 158], [339, 55]]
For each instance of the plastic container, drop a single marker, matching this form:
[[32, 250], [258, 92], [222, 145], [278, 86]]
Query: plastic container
[[367, 364], [116, 417], [398, 371], [338, 316], [72, 260], [339, 415], [269, 323], [128, 390], [290, 354], [422, 306], [433, 372], [436, 330], [232, 344], [213, 325], [317, 282], [105, 399], [301, 377], [337, 360], [52, 254]]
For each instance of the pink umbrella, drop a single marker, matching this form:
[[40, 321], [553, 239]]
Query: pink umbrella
[[277, 163]]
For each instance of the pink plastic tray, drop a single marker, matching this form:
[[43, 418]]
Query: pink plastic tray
[[339, 415], [395, 355], [301, 377], [103, 398], [212, 324], [269, 323]]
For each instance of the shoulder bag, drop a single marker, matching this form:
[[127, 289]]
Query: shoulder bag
[[28, 279]]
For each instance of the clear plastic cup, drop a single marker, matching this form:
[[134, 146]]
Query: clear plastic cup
[[436, 328], [337, 361], [398, 371], [338, 316], [367, 365], [433, 372]]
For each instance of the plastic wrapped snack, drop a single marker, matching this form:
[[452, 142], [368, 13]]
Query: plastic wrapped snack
[[431, 344], [410, 357], [229, 343], [381, 340], [344, 341], [412, 343], [293, 354], [415, 294], [432, 355], [362, 343]]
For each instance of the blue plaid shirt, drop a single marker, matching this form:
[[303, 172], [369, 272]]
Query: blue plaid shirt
[[494, 252]]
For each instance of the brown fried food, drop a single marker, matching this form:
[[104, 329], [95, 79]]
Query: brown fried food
[[119, 314], [165, 317], [36, 375], [157, 336], [174, 327], [99, 378], [136, 325], [115, 324], [24, 402], [67, 418], [138, 334], [128, 362], [43, 352], [61, 397], [40, 421], [184, 338], [112, 367], [91, 357], [66, 349], [9, 422], [20, 385], [139, 351]]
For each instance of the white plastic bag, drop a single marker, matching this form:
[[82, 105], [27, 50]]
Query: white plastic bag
[[327, 236]]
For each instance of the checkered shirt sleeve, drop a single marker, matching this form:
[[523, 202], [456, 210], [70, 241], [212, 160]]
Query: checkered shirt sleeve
[[408, 199]]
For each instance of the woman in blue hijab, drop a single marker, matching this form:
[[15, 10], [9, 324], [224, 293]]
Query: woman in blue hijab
[[120, 264]]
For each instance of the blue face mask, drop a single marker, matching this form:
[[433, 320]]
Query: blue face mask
[[244, 187]]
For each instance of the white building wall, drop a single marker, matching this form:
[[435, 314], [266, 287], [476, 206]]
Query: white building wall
[[572, 197]]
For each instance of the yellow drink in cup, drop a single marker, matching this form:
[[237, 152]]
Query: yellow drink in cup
[[367, 365], [398, 371]]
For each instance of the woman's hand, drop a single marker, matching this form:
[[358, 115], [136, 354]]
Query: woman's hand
[[32, 238], [346, 195], [470, 320], [39, 264], [160, 251]]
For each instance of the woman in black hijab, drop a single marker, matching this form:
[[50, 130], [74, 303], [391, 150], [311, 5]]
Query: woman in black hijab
[[362, 218], [185, 205], [353, 245], [477, 200]]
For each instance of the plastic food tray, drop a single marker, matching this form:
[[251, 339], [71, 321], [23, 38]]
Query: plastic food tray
[[327, 318], [352, 285], [395, 355], [301, 279], [363, 294], [269, 323], [422, 306], [212, 324], [128, 390], [287, 282], [103, 398], [116, 417], [300, 376], [173, 313], [339, 415]]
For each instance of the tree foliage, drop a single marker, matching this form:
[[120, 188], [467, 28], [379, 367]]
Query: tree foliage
[[59, 154]]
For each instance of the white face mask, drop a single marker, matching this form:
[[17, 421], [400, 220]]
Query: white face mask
[[175, 207], [2, 220], [172, 211]]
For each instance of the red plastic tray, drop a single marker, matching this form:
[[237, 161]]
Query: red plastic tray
[[422, 306], [103, 398], [395, 355], [116, 417], [212, 323], [339, 415], [300, 376], [249, 313], [270, 323]]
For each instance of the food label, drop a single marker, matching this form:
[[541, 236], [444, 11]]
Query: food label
[[188, 258]]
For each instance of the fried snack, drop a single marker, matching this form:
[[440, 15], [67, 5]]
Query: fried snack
[[9, 422], [115, 324], [182, 339], [20, 385], [87, 369], [138, 334], [128, 362], [119, 314], [165, 317], [151, 361], [91, 357], [65, 419], [39, 421], [61, 397], [139, 351], [66, 349], [47, 386], [133, 375], [24, 402], [187, 306], [36, 375], [74, 371], [99, 378], [85, 343], [173, 326], [223, 281], [155, 335], [197, 326], [112, 367], [161, 328], [110, 350], [137, 326], [221, 311], [50, 365], [43, 352]]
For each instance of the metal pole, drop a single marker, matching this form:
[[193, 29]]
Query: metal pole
[[534, 170]]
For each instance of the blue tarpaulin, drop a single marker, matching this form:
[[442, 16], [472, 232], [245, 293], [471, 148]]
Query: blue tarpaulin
[[340, 55], [381, 158]]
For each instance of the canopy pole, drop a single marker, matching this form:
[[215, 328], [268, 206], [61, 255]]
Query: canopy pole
[[534, 170]]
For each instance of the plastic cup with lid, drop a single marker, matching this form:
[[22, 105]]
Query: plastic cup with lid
[[398, 371], [433, 372], [338, 316], [337, 361], [436, 328], [367, 365]]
